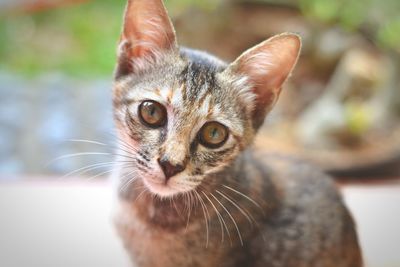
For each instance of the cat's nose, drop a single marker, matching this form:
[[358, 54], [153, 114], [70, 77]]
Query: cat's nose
[[170, 169]]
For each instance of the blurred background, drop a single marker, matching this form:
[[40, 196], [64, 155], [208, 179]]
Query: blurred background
[[340, 110]]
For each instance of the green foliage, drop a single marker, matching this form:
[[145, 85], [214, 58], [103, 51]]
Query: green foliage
[[76, 39], [81, 39], [176, 7], [380, 19], [347, 13], [389, 33], [357, 118]]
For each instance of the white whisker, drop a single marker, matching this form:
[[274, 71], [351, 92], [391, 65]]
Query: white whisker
[[98, 175], [230, 216], [130, 181], [245, 196], [206, 216], [221, 220], [176, 209], [76, 155], [141, 193], [188, 204], [125, 144], [89, 168], [237, 206], [86, 141]]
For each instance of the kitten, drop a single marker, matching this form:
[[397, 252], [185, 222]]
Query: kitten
[[192, 191]]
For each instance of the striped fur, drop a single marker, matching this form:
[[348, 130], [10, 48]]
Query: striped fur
[[194, 92], [231, 206]]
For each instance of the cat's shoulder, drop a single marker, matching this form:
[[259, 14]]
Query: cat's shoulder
[[310, 207], [299, 179]]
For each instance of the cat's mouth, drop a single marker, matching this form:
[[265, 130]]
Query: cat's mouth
[[163, 189]]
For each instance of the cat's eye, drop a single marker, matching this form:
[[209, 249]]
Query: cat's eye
[[213, 134], [152, 113]]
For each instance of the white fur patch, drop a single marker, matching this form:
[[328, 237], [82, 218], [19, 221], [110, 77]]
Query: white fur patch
[[244, 88], [203, 109], [177, 98]]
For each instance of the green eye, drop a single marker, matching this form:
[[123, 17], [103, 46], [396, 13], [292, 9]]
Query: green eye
[[153, 114], [213, 134]]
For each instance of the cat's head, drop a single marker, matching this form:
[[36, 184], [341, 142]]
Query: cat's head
[[183, 114]]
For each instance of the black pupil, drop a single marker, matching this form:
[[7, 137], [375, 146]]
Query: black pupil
[[152, 108], [214, 133]]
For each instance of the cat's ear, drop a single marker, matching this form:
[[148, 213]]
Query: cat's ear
[[147, 34], [266, 67]]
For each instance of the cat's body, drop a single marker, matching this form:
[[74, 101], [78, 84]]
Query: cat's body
[[307, 225], [194, 192]]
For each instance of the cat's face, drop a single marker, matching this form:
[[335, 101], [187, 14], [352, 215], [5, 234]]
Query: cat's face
[[186, 122], [185, 115]]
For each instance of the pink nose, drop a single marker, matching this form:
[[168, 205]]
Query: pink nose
[[170, 169]]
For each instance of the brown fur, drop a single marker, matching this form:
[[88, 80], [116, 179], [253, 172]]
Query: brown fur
[[230, 205], [302, 222]]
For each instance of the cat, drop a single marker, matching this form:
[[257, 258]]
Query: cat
[[192, 190]]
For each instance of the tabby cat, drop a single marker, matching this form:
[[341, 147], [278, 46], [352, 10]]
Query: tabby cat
[[191, 189]]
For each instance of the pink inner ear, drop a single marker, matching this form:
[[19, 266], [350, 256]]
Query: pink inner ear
[[147, 28], [268, 65]]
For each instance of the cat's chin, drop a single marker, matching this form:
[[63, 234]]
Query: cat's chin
[[163, 190]]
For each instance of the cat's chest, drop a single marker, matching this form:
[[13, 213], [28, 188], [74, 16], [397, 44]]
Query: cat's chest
[[156, 249], [149, 245]]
